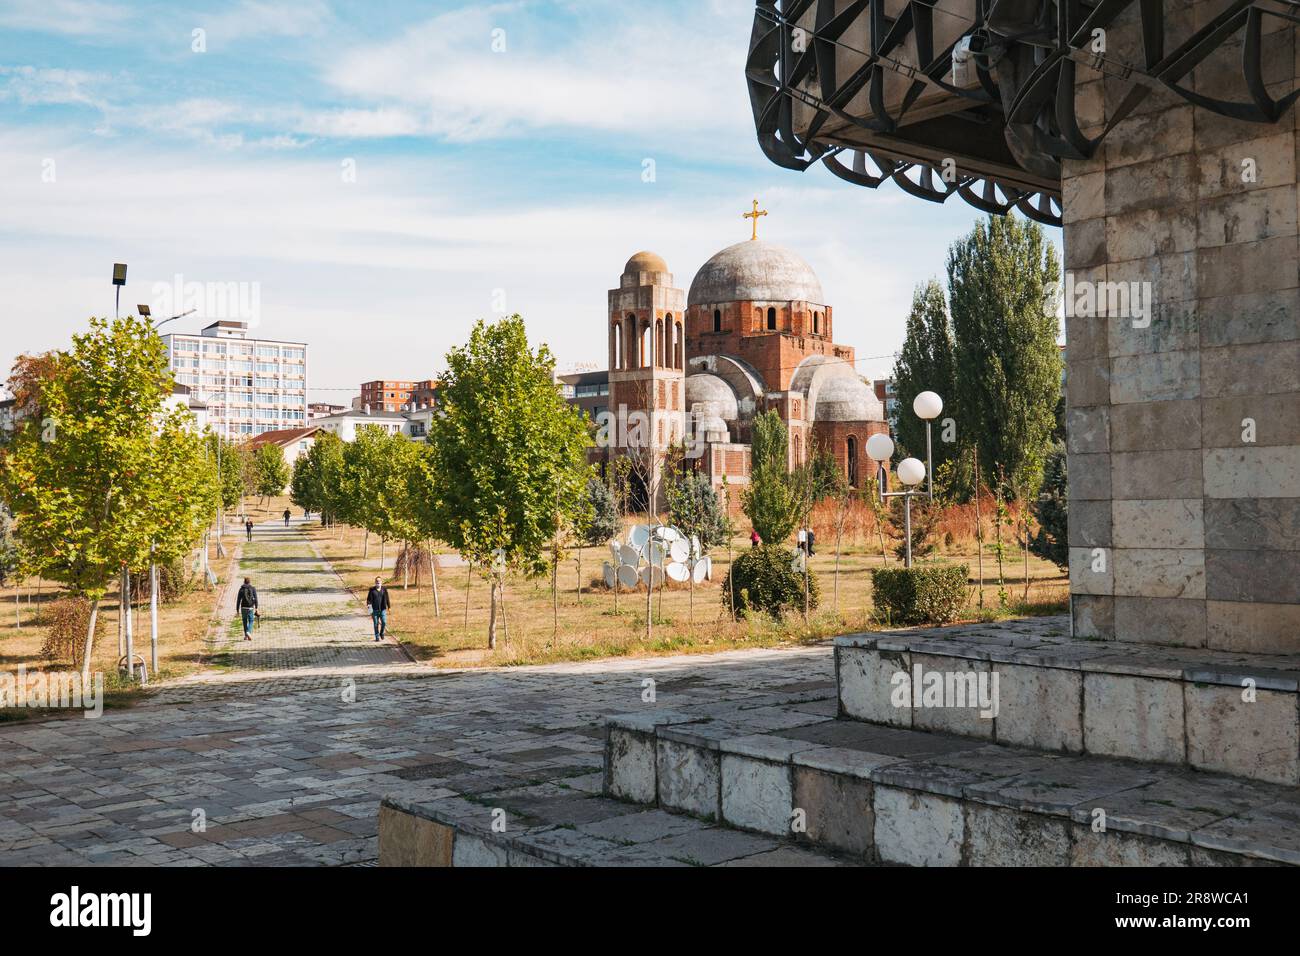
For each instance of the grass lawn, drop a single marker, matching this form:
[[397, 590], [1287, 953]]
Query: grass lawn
[[590, 627]]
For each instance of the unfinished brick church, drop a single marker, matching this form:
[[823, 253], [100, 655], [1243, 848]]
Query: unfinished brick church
[[753, 333]]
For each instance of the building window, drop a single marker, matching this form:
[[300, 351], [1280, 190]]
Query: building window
[[851, 447], [817, 323], [771, 319], [717, 320]]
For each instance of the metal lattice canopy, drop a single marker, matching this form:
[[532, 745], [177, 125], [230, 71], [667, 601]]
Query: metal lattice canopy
[[868, 87]]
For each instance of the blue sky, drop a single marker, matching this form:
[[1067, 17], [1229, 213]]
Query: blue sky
[[483, 177]]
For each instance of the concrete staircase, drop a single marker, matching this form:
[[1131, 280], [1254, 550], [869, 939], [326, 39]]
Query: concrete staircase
[[1079, 753]]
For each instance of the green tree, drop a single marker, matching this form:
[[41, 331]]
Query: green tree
[[377, 468], [271, 469], [103, 476], [694, 508], [600, 521], [508, 452], [1052, 510], [926, 363], [317, 479], [8, 545], [772, 500], [231, 473], [1008, 368]]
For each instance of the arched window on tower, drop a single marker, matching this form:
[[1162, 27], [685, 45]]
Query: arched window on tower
[[771, 319], [851, 450], [647, 346], [616, 357], [631, 356], [817, 323], [659, 342], [679, 345], [717, 320]]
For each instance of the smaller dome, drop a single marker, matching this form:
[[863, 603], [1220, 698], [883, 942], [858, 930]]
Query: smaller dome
[[713, 392], [847, 398], [645, 262]]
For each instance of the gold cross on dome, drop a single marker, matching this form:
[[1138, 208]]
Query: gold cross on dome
[[754, 216]]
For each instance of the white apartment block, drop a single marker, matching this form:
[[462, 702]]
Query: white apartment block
[[249, 385]]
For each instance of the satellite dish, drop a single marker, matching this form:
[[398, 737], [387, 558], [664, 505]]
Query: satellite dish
[[627, 576], [614, 547], [680, 551], [639, 536], [677, 571], [669, 533], [658, 552], [652, 575], [629, 555], [696, 550], [700, 571], [610, 575]]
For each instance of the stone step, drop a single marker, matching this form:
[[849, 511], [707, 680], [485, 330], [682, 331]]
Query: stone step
[[890, 795], [1233, 713], [549, 826]]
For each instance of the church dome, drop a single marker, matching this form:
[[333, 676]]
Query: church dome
[[714, 393], [755, 271], [645, 262], [847, 398]]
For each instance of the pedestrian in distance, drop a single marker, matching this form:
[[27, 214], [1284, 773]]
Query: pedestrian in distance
[[378, 601], [246, 607], [248, 528], [754, 539], [286, 517]]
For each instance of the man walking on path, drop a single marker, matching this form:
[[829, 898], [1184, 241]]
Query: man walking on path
[[286, 517], [246, 604], [248, 527], [378, 602]]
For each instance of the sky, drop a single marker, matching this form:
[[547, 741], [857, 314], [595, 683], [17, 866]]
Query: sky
[[378, 176]]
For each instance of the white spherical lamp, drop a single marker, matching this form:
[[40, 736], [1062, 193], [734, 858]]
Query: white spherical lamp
[[911, 472], [880, 448], [927, 405]]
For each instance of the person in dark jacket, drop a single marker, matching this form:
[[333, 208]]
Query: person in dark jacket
[[286, 517], [248, 527], [378, 601], [246, 606]]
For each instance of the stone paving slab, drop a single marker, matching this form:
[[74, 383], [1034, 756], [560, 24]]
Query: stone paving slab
[[286, 772]]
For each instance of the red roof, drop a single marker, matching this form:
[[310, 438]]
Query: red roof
[[283, 437]]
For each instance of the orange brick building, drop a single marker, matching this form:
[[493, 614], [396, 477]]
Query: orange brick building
[[753, 333]]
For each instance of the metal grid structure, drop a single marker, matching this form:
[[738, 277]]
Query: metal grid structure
[[868, 87]]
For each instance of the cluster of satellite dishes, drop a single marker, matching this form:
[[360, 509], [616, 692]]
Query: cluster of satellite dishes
[[653, 553]]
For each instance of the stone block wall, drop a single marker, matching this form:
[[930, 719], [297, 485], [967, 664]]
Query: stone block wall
[[1184, 423]]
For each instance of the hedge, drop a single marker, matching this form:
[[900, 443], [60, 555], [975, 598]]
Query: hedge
[[765, 580], [934, 594]]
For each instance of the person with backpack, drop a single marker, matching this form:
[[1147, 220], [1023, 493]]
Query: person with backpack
[[246, 607], [378, 601]]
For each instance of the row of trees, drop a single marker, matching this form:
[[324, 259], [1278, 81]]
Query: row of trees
[[991, 352], [102, 479]]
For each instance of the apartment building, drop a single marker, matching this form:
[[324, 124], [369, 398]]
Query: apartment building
[[391, 395], [250, 385]]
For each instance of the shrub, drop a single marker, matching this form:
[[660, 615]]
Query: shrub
[[600, 522], [65, 636], [173, 583], [931, 595], [765, 580], [695, 508]]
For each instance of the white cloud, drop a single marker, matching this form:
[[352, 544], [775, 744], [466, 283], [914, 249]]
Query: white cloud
[[260, 19], [77, 18], [49, 87]]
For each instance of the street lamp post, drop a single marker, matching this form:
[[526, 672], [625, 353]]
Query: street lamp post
[[911, 471], [119, 280]]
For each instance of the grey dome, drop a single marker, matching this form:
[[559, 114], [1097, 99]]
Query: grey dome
[[755, 271], [714, 393], [847, 398]]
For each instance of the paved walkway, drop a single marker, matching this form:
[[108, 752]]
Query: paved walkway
[[281, 757], [309, 620], [295, 778]]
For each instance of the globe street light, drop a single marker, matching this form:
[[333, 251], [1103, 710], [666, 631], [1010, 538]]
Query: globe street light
[[911, 471]]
